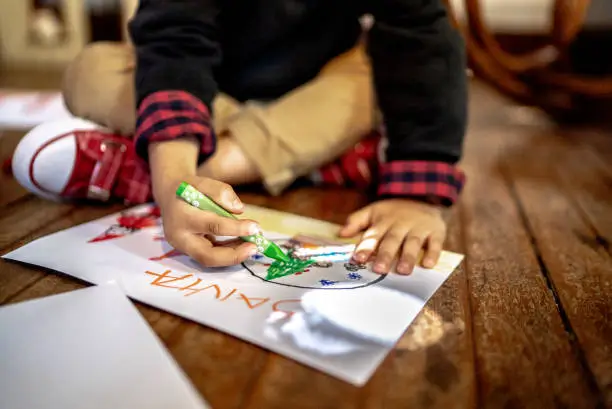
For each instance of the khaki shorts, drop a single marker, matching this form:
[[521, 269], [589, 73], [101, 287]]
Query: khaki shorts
[[286, 139]]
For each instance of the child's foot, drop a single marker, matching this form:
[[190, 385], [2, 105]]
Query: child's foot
[[77, 159]]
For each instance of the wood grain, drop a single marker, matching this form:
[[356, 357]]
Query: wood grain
[[548, 168], [523, 355], [27, 216], [590, 186], [433, 365]]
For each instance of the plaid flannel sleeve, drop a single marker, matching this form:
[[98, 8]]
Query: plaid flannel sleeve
[[434, 182], [167, 115]]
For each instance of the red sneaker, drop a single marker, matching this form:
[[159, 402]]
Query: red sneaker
[[77, 159]]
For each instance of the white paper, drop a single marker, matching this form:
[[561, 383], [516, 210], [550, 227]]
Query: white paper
[[23, 110], [129, 249], [89, 349]]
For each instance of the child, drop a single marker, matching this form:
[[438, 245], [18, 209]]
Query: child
[[296, 93]]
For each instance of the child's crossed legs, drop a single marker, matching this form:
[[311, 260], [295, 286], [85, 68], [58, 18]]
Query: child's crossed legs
[[275, 143]]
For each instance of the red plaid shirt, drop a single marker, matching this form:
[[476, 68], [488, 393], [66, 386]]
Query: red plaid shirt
[[173, 114], [169, 115]]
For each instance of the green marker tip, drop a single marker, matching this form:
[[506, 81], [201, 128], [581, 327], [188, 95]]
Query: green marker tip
[[276, 253]]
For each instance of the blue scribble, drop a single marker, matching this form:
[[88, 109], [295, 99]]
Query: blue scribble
[[327, 282], [354, 276]]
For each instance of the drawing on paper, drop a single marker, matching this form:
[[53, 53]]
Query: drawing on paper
[[318, 265], [130, 222], [252, 301]]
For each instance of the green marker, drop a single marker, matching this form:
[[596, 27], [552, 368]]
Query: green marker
[[198, 199]]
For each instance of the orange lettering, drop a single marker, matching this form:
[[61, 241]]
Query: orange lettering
[[275, 306], [197, 290], [215, 286], [228, 295], [190, 287], [168, 279], [253, 306]]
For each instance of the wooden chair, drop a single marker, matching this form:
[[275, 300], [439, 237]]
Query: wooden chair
[[542, 77]]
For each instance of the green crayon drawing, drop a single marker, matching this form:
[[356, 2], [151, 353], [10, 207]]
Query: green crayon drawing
[[280, 269]]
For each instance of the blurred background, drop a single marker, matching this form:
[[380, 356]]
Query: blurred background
[[554, 54]]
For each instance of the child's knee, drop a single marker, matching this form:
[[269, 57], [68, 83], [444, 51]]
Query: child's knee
[[98, 86], [96, 70]]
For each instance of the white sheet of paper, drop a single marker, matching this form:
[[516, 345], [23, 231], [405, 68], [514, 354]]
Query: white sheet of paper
[[88, 348], [23, 110], [129, 249]]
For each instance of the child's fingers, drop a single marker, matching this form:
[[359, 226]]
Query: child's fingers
[[389, 248], [413, 243], [221, 193], [369, 243], [434, 249], [202, 251], [356, 222], [205, 222]]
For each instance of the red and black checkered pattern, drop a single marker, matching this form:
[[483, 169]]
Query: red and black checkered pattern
[[167, 115], [433, 182], [437, 182], [173, 114]]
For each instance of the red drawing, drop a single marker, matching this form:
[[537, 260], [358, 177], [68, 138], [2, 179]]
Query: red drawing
[[130, 223], [169, 254]]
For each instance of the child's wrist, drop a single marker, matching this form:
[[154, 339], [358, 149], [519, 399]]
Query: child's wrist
[[170, 162]]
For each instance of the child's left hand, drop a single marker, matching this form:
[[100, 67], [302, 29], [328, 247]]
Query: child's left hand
[[397, 228]]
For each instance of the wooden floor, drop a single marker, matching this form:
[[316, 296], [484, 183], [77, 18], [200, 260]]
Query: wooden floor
[[525, 322]]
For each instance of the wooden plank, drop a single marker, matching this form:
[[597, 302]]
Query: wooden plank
[[286, 383], [598, 141], [523, 355], [592, 184], [27, 216], [222, 368], [567, 200], [433, 365]]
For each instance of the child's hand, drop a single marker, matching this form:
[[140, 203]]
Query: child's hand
[[397, 228], [189, 229]]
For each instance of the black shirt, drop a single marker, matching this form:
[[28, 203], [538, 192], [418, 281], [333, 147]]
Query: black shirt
[[261, 49]]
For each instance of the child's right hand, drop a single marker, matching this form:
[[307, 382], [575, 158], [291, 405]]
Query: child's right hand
[[191, 230], [188, 229]]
